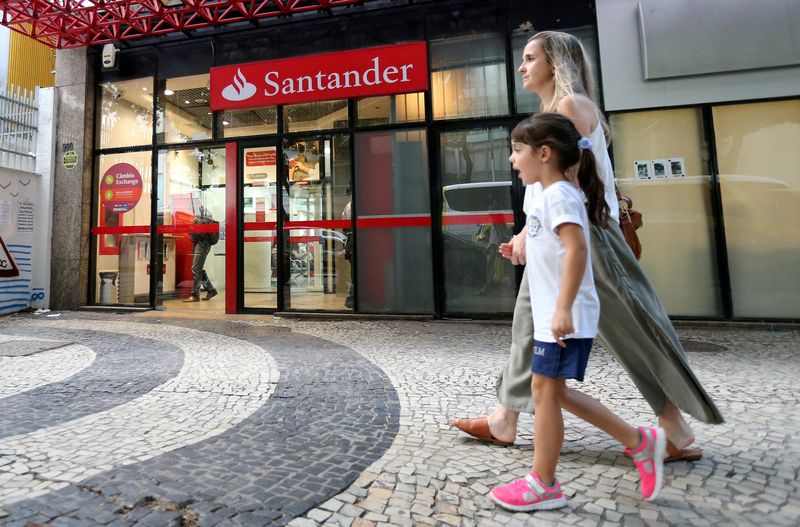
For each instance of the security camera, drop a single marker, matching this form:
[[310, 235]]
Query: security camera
[[109, 56]]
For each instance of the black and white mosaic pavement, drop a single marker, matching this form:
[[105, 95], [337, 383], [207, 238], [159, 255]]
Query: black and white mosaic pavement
[[323, 414], [263, 421], [114, 377]]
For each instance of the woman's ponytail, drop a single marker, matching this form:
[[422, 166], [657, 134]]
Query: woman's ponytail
[[593, 189]]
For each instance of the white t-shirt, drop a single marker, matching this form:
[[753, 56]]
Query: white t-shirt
[[600, 151], [556, 205]]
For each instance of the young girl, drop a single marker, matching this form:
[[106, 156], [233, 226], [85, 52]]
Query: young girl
[[565, 307]]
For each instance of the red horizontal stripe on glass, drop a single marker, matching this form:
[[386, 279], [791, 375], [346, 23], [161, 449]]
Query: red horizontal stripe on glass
[[273, 239], [318, 224], [393, 221], [477, 219], [188, 227], [260, 226], [127, 229]]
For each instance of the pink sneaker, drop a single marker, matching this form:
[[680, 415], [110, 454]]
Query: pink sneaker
[[649, 460], [529, 494]]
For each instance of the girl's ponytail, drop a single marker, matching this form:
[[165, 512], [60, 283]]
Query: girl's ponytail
[[593, 189]]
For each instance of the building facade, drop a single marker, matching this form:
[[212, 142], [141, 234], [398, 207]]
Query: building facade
[[394, 201]]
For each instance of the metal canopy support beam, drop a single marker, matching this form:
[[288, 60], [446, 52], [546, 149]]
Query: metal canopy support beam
[[65, 24]]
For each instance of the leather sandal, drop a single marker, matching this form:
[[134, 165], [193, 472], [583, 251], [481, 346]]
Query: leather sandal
[[478, 427], [682, 454]]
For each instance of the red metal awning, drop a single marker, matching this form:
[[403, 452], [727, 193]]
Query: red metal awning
[[77, 23]]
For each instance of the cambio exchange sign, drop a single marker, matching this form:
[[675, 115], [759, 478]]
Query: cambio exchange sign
[[383, 70]]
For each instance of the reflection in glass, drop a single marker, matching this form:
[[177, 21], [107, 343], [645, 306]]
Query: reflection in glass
[[315, 116], [676, 207], [124, 183], [255, 121], [389, 109], [476, 218], [183, 109], [760, 184], [126, 113], [393, 245], [316, 194], [468, 77], [191, 185]]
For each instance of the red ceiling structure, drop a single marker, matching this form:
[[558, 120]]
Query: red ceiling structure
[[76, 23]]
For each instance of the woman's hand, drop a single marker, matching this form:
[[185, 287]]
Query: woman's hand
[[515, 249], [518, 247], [561, 326], [505, 250]]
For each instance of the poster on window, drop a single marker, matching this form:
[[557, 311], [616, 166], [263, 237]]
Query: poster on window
[[260, 165], [304, 161], [120, 188]]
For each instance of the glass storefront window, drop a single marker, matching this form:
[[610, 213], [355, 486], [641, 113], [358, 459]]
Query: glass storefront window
[[183, 109], [661, 162], [317, 275], [760, 184], [242, 123], [315, 116], [259, 214], [125, 117], [390, 109], [123, 229], [476, 217], [528, 102], [393, 223], [191, 206], [468, 77]]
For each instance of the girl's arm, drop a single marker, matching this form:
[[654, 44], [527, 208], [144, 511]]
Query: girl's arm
[[571, 236]]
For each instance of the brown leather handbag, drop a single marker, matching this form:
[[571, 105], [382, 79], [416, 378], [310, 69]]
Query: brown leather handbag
[[629, 221]]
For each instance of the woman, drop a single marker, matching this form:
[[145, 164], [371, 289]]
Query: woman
[[633, 323]]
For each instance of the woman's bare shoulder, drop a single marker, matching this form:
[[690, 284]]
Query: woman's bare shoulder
[[581, 109]]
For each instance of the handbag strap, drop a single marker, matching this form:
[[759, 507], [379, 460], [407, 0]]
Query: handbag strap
[[625, 204]]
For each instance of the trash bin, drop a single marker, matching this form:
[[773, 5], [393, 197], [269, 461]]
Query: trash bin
[[108, 287]]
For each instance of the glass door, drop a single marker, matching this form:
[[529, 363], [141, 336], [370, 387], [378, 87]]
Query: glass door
[[477, 189], [190, 247], [316, 255], [123, 229], [259, 213], [394, 256]]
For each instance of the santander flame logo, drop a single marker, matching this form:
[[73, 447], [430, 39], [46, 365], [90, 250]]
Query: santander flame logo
[[240, 90]]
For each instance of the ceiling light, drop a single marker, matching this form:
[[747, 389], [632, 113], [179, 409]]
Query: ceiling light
[[186, 102], [225, 123], [144, 88], [168, 92]]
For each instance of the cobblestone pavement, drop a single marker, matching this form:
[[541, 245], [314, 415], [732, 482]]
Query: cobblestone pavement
[[155, 421]]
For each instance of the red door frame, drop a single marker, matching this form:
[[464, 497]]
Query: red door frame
[[232, 202]]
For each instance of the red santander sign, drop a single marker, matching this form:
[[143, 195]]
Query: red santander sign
[[383, 70]]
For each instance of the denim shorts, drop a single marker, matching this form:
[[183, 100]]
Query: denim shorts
[[551, 360]]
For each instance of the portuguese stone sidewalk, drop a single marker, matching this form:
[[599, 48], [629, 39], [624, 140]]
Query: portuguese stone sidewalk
[[152, 420]]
